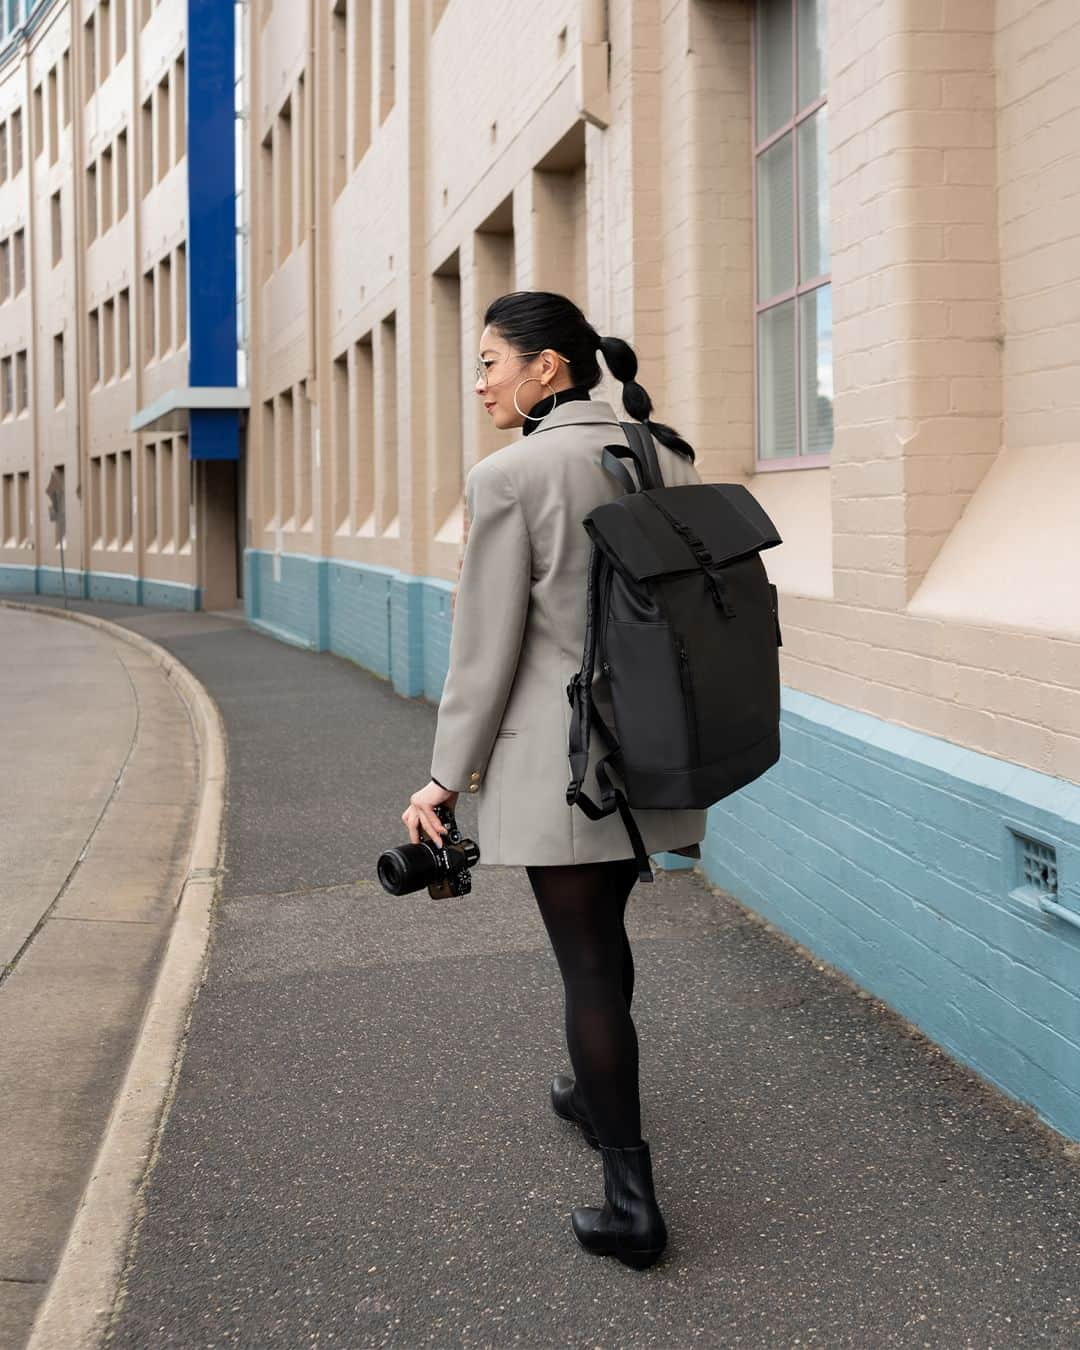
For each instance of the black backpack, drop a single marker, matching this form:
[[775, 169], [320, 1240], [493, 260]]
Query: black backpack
[[682, 620]]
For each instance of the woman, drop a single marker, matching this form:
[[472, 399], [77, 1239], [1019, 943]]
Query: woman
[[504, 717]]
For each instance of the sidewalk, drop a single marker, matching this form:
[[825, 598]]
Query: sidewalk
[[361, 1152], [97, 795]]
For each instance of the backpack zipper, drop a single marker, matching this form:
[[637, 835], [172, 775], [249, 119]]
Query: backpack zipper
[[691, 706]]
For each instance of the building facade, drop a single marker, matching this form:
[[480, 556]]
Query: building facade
[[842, 235]]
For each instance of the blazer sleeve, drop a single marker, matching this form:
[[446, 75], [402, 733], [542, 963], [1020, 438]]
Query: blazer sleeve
[[487, 629]]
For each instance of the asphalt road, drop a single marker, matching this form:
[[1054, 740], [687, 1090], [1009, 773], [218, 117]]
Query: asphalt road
[[361, 1153]]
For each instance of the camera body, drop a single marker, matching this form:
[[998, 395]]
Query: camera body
[[442, 866]]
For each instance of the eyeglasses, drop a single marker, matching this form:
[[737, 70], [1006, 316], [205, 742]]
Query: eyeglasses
[[480, 370]]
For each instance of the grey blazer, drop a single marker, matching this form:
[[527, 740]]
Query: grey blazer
[[518, 630]]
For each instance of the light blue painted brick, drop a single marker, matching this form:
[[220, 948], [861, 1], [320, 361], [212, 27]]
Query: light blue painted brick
[[50, 581], [885, 852], [16, 579], [114, 587], [359, 615], [292, 602]]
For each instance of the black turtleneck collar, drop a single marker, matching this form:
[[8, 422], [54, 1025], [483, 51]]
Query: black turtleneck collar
[[545, 405]]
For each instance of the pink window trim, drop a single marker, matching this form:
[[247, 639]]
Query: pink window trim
[[795, 461]]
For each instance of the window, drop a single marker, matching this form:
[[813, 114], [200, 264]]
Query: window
[[54, 117], [92, 201], [182, 469], [283, 180], [165, 331], [5, 270], [56, 219], [95, 347], [16, 142], [18, 257], [15, 512], [121, 29], [108, 340], [179, 112], [65, 69], [124, 500], [149, 326], [109, 513], [147, 167], [339, 43], [161, 129], [106, 190], [793, 291], [102, 29], [7, 386], [341, 441], [266, 222], [361, 17], [7, 514], [97, 500], [3, 152], [181, 296], [386, 57], [166, 518], [286, 459], [39, 120], [150, 498], [90, 53], [121, 176], [58, 369], [22, 384], [123, 332]]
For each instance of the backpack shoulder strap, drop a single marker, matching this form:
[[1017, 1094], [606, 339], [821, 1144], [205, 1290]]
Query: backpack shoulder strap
[[640, 437], [641, 451]]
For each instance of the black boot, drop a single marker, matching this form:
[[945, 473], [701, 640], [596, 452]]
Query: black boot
[[630, 1225], [562, 1086]]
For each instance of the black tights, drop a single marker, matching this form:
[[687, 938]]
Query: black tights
[[583, 907]]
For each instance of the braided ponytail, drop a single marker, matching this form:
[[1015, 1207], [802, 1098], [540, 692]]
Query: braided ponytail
[[621, 360]]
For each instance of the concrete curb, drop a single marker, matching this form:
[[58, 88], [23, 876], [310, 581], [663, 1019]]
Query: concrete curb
[[78, 1306]]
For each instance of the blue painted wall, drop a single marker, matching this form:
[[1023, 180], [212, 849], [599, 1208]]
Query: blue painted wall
[[890, 854], [211, 153], [117, 587]]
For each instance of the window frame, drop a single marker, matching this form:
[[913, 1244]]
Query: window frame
[[758, 148]]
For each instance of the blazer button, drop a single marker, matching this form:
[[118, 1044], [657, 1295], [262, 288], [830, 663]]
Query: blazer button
[[475, 777], [474, 787]]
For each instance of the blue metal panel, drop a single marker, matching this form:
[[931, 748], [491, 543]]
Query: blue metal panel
[[214, 434], [211, 218]]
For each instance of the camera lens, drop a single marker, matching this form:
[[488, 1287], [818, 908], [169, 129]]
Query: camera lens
[[408, 868]]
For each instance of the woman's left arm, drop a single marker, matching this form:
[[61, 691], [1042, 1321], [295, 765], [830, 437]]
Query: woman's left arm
[[488, 625], [487, 631]]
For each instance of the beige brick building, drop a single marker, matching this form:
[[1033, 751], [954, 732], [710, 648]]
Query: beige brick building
[[844, 238]]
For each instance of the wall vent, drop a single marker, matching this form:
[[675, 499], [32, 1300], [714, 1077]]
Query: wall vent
[[1038, 873]]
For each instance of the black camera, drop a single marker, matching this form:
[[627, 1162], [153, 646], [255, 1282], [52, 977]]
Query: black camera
[[441, 866]]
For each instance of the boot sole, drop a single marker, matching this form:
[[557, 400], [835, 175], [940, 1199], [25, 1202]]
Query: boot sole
[[639, 1260]]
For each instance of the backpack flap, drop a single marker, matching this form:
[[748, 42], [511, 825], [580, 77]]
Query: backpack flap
[[656, 533]]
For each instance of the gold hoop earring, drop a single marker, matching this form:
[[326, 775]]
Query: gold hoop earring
[[531, 380]]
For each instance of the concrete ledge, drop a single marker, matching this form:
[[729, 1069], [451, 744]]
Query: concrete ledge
[[78, 1307]]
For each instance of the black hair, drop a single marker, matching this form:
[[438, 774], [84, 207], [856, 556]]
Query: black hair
[[533, 320]]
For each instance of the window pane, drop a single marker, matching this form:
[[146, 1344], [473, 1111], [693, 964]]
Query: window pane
[[812, 38], [775, 220], [813, 136], [776, 381], [815, 377], [772, 74]]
